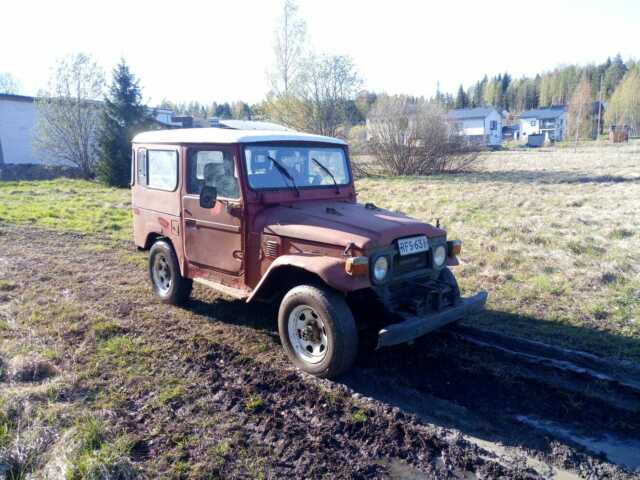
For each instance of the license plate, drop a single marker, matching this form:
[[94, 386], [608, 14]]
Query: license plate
[[411, 245]]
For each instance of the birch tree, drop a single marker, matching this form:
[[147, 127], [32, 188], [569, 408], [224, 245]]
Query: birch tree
[[624, 106], [68, 113], [579, 111], [289, 47]]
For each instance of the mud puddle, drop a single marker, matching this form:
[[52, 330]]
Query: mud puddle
[[625, 452]]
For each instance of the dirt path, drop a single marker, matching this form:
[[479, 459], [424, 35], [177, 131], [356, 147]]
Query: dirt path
[[206, 390]]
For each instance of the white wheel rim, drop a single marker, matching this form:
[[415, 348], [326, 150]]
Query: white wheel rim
[[161, 274], [307, 334]]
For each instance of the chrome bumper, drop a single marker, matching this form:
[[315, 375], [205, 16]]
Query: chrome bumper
[[416, 326]]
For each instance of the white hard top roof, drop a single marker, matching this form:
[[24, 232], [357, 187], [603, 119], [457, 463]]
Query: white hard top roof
[[228, 135]]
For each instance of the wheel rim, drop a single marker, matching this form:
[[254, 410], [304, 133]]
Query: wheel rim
[[307, 334], [161, 274]]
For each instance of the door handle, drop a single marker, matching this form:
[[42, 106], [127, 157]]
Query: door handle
[[190, 223]]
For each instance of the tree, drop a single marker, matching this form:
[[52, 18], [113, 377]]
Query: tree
[[411, 137], [328, 82], [613, 75], [9, 84], [462, 101], [624, 105], [122, 117], [68, 113], [240, 110], [290, 40], [321, 103], [579, 111], [223, 111]]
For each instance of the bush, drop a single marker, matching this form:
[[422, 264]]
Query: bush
[[32, 171], [411, 137]]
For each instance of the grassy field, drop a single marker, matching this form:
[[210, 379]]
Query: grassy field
[[552, 234]]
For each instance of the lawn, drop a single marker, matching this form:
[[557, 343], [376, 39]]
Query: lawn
[[552, 234]]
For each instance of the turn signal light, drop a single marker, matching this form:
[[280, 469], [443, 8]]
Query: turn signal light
[[357, 266], [454, 248]]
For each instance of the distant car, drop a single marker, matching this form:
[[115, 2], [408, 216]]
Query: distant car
[[272, 216]]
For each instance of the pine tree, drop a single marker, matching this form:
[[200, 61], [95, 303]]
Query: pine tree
[[461, 98], [122, 117]]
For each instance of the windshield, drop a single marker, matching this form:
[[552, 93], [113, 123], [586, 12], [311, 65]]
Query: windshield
[[263, 172]]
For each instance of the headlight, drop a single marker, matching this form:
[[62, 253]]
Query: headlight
[[380, 268], [439, 255]]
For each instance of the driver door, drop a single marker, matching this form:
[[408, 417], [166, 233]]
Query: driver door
[[213, 236]]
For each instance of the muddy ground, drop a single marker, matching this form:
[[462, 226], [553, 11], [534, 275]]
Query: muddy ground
[[206, 392]]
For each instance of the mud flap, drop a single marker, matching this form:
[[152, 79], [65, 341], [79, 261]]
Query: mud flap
[[416, 326]]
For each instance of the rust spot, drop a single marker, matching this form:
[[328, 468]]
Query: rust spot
[[163, 222]]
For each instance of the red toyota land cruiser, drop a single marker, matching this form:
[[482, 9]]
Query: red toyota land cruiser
[[272, 216]]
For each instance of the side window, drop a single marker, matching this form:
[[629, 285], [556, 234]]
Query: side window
[[494, 125], [162, 169], [142, 166], [132, 179], [215, 168]]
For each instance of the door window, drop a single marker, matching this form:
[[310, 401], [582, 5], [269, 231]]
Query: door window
[[214, 168]]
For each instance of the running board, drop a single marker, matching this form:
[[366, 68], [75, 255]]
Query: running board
[[224, 289]]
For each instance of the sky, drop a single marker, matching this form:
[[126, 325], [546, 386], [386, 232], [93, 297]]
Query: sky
[[219, 50]]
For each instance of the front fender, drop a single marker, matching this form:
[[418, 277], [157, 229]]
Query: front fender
[[330, 269]]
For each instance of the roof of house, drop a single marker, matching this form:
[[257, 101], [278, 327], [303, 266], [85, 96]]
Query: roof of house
[[553, 111], [18, 98], [468, 113], [228, 135]]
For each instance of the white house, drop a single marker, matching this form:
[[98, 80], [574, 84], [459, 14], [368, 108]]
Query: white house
[[18, 114], [481, 124], [17, 120], [549, 121]]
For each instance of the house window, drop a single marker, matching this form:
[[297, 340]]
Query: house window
[[493, 125], [533, 123], [162, 169]]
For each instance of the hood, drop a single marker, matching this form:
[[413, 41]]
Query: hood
[[338, 223]]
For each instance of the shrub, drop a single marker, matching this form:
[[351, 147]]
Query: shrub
[[411, 137]]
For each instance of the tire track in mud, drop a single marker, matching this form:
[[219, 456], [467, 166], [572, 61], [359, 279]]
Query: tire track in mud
[[509, 397]]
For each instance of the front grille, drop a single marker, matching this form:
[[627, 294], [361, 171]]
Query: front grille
[[411, 263]]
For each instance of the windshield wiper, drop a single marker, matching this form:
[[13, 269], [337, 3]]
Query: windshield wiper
[[285, 173], [328, 172]]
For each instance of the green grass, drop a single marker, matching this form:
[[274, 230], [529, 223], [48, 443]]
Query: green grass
[[253, 403], [359, 416], [71, 205]]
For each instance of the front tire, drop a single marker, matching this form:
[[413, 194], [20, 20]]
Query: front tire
[[317, 331], [164, 272]]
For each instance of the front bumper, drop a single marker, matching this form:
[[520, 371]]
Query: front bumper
[[416, 326]]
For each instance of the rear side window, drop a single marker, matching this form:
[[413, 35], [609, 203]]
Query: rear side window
[[142, 166], [162, 169]]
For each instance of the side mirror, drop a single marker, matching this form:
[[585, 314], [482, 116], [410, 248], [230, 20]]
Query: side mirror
[[208, 196]]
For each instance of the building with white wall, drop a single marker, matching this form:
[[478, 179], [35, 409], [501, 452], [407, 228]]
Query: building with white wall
[[17, 123], [481, 124], [18, 116], [551, 122]]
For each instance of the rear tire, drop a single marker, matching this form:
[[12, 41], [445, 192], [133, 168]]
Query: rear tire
[[317, 331], [164, 272]]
